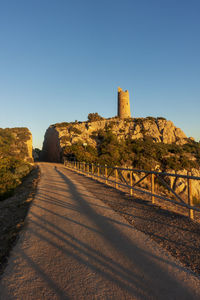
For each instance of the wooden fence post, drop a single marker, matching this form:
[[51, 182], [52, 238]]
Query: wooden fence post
[[98, 170], [92, 170], [116, 178], [106, 174], [190, 200], [88, 169], [152, 188], [131, 182]]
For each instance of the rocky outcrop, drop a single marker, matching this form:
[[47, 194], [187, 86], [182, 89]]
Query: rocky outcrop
[[180, 185], [19, 141], [52, 150], [60, 135], [66, 134]]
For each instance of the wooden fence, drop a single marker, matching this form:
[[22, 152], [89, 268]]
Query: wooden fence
[[124, 177]]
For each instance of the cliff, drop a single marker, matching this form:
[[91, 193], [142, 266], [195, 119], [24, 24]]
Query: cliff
[[143, 143], [61, 135]]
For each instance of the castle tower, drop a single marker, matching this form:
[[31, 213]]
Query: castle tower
[[123, 104]]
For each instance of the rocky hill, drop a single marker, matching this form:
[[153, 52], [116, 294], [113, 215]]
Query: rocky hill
[[60, 135], [142, 143]]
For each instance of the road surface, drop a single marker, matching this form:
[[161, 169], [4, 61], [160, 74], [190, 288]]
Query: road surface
[[73, 246]]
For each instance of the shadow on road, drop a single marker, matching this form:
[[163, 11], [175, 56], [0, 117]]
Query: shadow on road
[[144, 270], [135, 272]]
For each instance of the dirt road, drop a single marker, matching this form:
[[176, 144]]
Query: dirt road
[[76, 247]]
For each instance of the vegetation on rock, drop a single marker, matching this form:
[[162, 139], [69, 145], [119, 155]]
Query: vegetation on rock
[[141, 143], [73, 129], [144, 143], [142, 154], [14, 159], [94, 117]]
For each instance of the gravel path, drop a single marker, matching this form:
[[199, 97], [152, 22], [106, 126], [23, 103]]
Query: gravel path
[[172, 231], [75, 246]]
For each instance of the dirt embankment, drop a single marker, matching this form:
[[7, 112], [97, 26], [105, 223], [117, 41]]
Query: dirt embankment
[[13, 212]]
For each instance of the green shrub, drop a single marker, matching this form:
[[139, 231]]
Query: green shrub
[[141, 153], [73, 129], [12, 165], [63, 124], [80, 153], [12, 171], [149, 118], [94, 117], [65, 139], [161, 118]]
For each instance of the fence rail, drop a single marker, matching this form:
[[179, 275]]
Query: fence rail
[[125, 177]]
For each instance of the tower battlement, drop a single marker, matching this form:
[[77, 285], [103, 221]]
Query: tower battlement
[[123, 104]]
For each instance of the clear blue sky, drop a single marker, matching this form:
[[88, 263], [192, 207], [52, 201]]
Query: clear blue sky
[[62, 59]]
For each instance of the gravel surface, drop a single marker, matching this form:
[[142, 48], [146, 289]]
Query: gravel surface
[[74, 246], [174, 232]]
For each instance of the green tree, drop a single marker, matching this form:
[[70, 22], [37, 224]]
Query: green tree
[[94, 117]]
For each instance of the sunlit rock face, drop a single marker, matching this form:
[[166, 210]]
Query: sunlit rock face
[[65, 134], [61, 135]]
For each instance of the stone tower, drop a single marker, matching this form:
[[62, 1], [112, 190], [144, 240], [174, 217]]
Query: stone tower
[[123, 104]]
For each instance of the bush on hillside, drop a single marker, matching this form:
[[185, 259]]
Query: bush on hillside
[[12, 171], [142, 154], [12, 166], [94, 117], [75, 130]]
